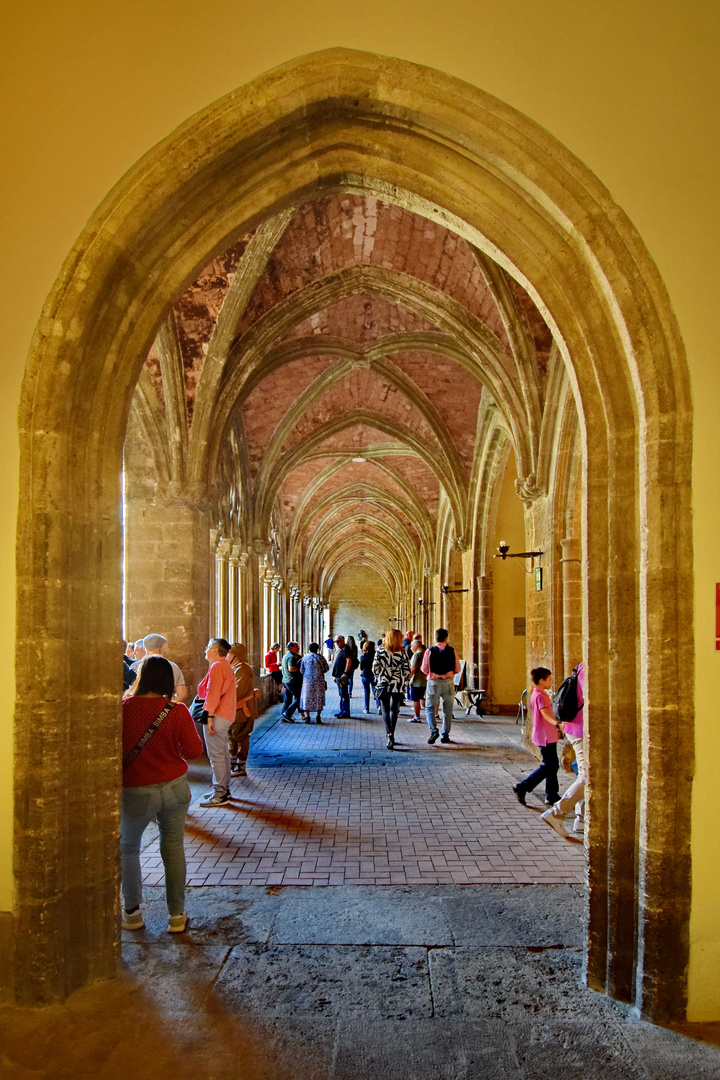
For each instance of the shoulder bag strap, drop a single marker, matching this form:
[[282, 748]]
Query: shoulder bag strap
[[129, 758]]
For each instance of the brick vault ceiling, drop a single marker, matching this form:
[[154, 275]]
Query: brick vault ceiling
[[346, 364]]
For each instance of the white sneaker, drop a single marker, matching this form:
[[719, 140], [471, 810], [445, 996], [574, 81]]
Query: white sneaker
[[132, 920], [579, 824], [554, 822]]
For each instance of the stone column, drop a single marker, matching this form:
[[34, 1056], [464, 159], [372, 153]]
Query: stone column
[[233, 595], [168, 582], [243, 598], [571, 560], [485, 613], [221, 588]]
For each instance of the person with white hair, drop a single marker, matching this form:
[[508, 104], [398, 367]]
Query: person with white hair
[[154, 645]]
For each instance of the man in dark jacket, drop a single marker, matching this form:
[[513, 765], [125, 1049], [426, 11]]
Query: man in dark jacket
[[341, 674], [440, 664], [292, 681]]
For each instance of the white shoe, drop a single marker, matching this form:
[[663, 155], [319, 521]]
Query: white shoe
[[556, 823], [579, 824]]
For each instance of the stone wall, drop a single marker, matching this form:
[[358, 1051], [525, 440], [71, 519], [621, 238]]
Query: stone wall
[[360, 599]]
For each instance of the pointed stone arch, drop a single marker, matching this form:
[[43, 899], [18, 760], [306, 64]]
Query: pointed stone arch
[[343, 120]]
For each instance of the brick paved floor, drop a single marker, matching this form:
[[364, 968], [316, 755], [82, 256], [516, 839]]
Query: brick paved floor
[[331, 805]]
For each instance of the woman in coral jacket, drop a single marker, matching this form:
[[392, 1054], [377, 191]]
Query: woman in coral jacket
[[155, 786]]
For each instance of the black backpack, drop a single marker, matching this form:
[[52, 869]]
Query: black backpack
[[566, 705]]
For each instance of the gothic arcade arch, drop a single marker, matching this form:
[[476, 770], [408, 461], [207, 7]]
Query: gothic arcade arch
[[354, 121]]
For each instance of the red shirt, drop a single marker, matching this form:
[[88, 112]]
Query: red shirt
[[271, 661], [162, 758]]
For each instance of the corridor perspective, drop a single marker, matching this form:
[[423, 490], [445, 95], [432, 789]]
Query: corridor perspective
[[324, 323]]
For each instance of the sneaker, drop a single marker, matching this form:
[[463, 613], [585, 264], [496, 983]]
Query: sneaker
[[177, 923], [444, 738], [555, 822], [216, 800], [434, 736], [238, 770], [414, 720], [579, 824], [132, 920], [287, 719], [519, 794]]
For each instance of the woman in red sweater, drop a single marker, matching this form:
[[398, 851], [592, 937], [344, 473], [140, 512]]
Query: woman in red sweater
[[155, 786]]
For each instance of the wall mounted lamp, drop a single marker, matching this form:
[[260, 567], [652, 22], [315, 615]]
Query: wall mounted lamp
[[503, 552], [426, 603], [446, 589]]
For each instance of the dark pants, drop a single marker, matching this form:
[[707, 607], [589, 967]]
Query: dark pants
[[292, 697], [548, 772], [390, 705], [368, 685], [344, 691]]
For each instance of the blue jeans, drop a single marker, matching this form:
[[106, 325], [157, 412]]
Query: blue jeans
[[368, 685], [443, 691], [548, 772], [292, 697], [344, 691], [167, 803]]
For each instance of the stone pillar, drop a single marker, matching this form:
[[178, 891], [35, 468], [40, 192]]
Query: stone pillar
[[485, 618], [221, 588], [571, 560], [168, 582], [265, 627], [243, 613], [234, 594]]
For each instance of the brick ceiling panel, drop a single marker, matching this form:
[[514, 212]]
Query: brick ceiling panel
[[419, 477], [357, 473], [362, 389], [270, 400], [197, 310], [346, 230], [541, 333], [370, 511], [453, 391], [361, 319]]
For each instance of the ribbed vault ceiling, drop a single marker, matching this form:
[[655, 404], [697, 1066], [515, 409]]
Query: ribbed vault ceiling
[[329, 376]]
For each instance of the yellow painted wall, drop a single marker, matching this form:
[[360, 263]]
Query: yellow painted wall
[[509, 585], [630, 87]]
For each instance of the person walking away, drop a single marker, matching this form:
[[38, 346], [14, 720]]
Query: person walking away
[[292, 681], [440, 665], [391, 668], [574, 797], [366, 671], [158, 739], [352, 646], [341, 674], [545, 735], [246, 712], [418, 680], [218, 692], [313, 669]]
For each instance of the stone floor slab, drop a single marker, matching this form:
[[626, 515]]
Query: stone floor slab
[[362, 915], [512, 984], [533, 915], [424, 1050], [285, 981]]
